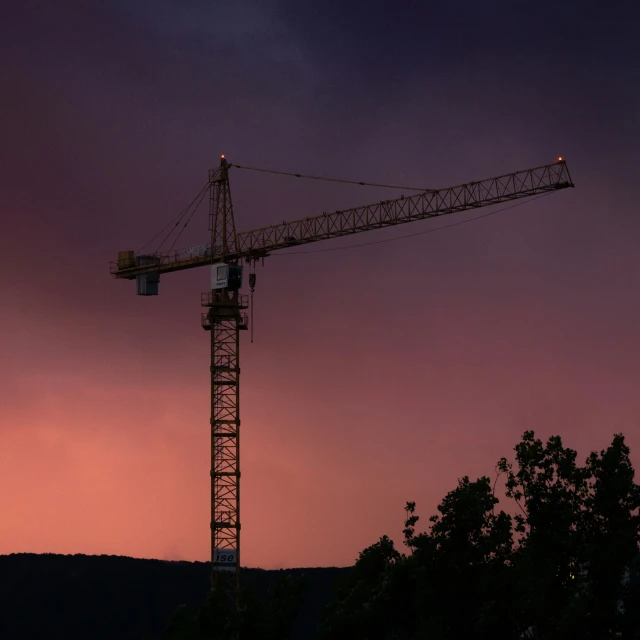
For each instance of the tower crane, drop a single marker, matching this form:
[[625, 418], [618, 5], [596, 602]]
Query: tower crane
[[225, 316]]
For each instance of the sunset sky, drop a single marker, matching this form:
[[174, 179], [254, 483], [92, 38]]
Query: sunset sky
[[379, 374]]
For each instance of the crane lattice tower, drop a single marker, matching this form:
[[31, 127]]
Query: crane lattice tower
[[226, 314]]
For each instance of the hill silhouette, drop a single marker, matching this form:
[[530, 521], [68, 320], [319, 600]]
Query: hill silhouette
[[77, 596]]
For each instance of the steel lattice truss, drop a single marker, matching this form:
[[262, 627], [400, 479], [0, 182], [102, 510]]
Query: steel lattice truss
[[405, 209], [224, 320], [221, 220], [430, 204]]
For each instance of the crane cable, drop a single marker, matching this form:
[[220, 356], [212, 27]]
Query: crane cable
[[202, 194], [252, 285], [411, 235], [174, 221], [302, 175]]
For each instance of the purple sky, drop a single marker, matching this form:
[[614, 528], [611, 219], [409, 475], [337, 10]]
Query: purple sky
[[379, 374]]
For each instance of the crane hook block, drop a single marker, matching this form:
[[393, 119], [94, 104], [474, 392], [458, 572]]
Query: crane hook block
[[252, 281]]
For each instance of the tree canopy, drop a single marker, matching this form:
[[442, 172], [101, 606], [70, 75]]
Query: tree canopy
[[219, 617], [556, 562]]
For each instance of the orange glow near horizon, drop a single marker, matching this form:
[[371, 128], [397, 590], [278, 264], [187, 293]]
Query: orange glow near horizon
[[107, 450]]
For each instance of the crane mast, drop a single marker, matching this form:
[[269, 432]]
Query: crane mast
[[225, 316], [225, 319]]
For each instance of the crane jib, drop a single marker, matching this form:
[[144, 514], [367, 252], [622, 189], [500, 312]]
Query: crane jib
[[258, 243]]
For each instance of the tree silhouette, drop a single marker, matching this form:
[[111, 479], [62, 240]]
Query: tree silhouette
[[579, 530], [554, 565], [218, 617]]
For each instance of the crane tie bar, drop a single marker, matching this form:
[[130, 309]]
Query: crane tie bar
[[302, 175]]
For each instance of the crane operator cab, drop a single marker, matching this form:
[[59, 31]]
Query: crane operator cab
[[226, 276]]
